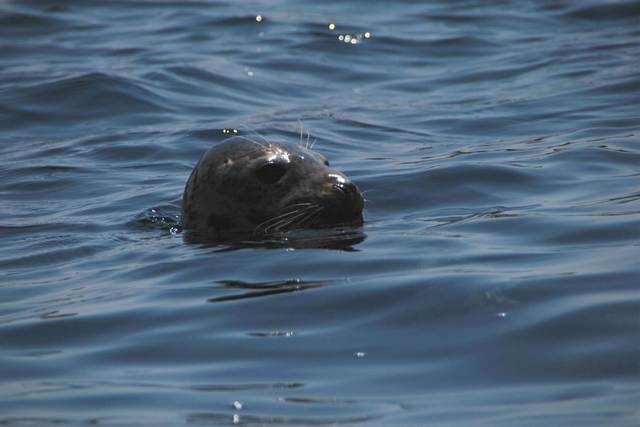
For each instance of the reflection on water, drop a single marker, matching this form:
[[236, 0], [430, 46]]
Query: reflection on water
[[255, 290], [344, 239]]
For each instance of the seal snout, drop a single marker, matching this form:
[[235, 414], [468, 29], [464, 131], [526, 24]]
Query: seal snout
[[350, 193], [346, 201]]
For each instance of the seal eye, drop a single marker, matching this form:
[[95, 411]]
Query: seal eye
[[326, 162], [271, 173]]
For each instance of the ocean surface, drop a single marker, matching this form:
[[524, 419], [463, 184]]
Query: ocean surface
[[496, 279]]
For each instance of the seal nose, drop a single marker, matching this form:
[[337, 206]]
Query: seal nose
[[345, 187], [353, 201], [341, 201], [349, 190]]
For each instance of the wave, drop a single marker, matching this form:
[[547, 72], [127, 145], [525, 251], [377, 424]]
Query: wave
[[90, 96]]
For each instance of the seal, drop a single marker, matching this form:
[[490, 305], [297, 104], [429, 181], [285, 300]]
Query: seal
[[259, 187]]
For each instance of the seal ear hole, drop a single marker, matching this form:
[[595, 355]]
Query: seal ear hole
[[271, 173]]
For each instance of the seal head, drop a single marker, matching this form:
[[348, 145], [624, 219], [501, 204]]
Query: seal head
[[246, 186]]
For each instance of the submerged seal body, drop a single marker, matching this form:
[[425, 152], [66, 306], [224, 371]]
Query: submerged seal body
[[252, 186]]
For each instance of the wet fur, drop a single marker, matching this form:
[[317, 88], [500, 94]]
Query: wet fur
[[224, 194]]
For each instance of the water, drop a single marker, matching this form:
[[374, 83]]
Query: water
[[495, 281]]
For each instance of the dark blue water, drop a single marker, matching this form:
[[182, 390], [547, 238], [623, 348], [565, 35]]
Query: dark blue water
[[497, 278]]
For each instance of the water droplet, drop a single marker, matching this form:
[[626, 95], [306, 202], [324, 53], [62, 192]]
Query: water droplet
[[367, 35], [501, 315], [236, 419], [259, 18], [360, 354], [332, 26], [238, 405]]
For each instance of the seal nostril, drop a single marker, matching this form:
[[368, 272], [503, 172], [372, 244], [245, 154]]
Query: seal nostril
[[341, 190], [347, 188]]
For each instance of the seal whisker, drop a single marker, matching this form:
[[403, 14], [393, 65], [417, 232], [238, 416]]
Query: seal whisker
[[269, 223], [246, 128], [244, 138], [302, 142], [282, 223], [292, 220], [286, 219], [312, 215], [259, 135], [288, 212], [298, 204], [303, 216], [301, 128], [285, 223]]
